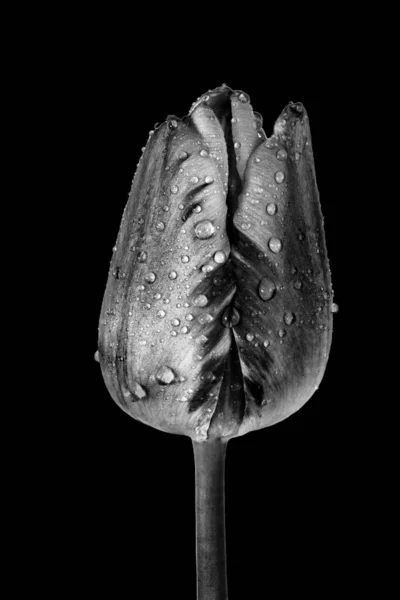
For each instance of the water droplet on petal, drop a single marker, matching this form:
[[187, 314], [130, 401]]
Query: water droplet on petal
[[275, 245], [203, 153], [334, 307], [204, 230], [175, 322], [230, 317], [194, 179], [220, 257], [202, 339], [281, 155], [237, 144], [281, 333], [279, 176], [141, 256], [289, 318], [197, 209], [271, 208], [207, 318], [173, 275], [183, 155], [208, 179], [243, 97], [189, 317], [161, 313], [266, 289], [200, 300], [174, 189], [185, 259], [97, 356], [245, 226], [138, 390], [266, 343], [235, 386], [165, 375], [150, 277], [160, 226], [297, 155], [250, 337]]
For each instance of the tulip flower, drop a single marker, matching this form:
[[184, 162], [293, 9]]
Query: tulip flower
[[217, 315]]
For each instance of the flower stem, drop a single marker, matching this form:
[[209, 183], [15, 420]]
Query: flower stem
[[210, 520]]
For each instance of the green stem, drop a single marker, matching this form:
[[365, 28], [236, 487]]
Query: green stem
[[210, 520]]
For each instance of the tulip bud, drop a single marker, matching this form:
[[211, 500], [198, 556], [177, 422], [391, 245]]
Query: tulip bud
[[216, 318]]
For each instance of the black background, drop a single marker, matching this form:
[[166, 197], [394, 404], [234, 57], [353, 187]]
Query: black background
[[125, 491]]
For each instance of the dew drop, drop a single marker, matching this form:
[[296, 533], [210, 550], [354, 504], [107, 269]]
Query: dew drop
[[279, 176], [194, 179], [183, 155], [172, 274], [235, 386], [237, 144], [185, 259], [203, 153], [243, 97], [266, 343], [281, 155], [204, 230], [230, 317], [250, 337], [245, 226], [220, 257], [160, 226], [174, 189], [202, 339], [207, 268], [138, 391], [275, 245], [173, 333], [161, 313], [281, 333], [207, 318], [97, 356], [165, 375], [184, 329], [289, 318], [297, 155], [141, 256], [200, 300], [334, 307], [175, 322], [271, 208], [189, 317], [266, 289], [209, 179], [150, 277]]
